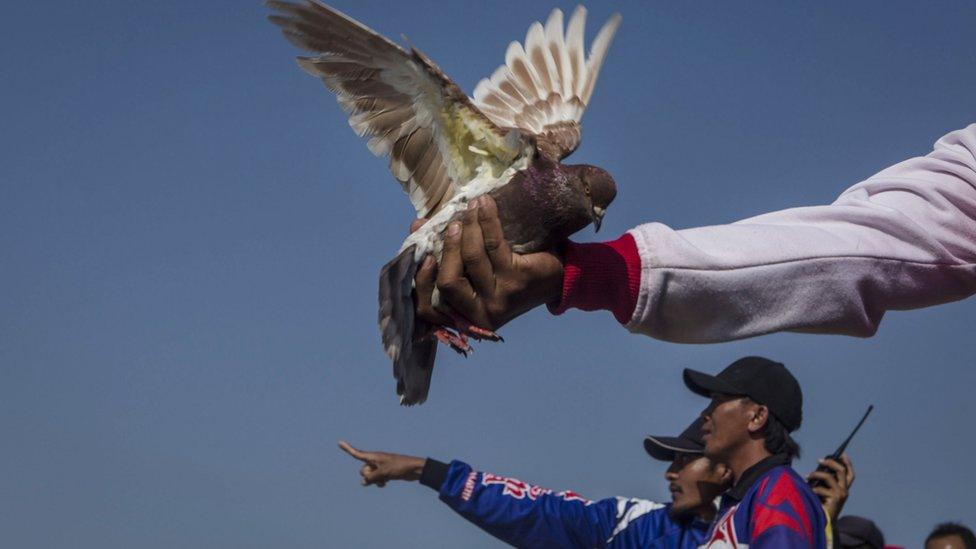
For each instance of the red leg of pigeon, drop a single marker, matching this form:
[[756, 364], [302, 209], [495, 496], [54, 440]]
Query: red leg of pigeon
[[458, 342], [465, 327]]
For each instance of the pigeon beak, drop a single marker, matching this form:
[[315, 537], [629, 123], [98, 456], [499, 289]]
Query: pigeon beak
[[597, 215]]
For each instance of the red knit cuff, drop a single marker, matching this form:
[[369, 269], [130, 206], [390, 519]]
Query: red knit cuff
[[601, 276]]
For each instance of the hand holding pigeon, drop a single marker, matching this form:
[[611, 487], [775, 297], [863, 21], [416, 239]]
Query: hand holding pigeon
[[447, 150], [481, 278]]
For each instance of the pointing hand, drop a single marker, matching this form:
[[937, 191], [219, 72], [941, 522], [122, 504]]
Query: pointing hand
[[380, 467]]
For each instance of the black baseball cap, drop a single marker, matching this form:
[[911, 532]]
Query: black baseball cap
[[667, 448], [854, 531], [767, 382]]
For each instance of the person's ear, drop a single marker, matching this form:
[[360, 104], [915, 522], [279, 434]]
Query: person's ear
[[760, 415]]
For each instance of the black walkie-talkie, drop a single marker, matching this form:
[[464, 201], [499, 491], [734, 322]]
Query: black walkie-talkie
[[840, 451]]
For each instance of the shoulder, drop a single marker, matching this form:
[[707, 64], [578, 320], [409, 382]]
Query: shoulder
[[783, 499], [782, 479]]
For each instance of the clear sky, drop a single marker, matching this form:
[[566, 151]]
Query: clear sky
[[190, 238]]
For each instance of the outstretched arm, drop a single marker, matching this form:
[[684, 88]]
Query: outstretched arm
[[903, 239], [513, 511]]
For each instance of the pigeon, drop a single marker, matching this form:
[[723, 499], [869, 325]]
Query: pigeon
[[446, 148]]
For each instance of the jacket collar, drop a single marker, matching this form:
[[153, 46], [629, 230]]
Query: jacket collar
[[754, 473]]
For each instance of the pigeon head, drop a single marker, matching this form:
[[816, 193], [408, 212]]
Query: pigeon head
[[599, 189]]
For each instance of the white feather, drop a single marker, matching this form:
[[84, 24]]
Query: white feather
[[558, 77], [428, 238], [574, 47], [535, 41], [597, 52], [515, 56]]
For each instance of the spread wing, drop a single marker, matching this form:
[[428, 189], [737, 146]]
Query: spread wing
[[436, 139], [544, 87]]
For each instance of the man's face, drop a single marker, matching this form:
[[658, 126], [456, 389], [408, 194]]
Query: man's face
[[946, 542], [726, 425], [694, 482]]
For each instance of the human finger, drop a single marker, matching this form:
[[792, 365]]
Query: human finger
[[832, 464], [850, 468], [450, 276], [822, 491], [473, 254], [370, 474], [424, 288], [837, 468], [494, 238], [451, 267], [826, 478], [349, 449]]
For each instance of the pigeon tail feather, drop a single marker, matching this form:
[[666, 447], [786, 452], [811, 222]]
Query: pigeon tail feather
[[405, 336]]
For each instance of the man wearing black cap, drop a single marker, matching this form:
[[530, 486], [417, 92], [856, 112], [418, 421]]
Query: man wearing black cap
[[695, 482], [756, 404], [529, 516]]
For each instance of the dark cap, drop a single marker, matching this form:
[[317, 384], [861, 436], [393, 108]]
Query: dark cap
[[854, 531], [666, 448], [764, 381]]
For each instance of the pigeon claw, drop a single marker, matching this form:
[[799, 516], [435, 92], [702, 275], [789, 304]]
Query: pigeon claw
[[482, 334], [465, 327], [456, 341]]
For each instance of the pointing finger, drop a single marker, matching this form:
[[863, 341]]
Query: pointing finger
[[348, 448]]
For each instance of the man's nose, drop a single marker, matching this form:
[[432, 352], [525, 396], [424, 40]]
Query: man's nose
[[707, 412], [672, 473]]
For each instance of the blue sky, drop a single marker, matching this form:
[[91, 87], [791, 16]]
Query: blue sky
[[190, 237]]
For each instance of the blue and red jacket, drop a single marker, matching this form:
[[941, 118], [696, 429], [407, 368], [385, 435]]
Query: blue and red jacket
[[524, 515], [770, 506]]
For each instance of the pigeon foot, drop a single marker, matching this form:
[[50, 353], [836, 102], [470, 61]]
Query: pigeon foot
[[465, 327], [456, 341]]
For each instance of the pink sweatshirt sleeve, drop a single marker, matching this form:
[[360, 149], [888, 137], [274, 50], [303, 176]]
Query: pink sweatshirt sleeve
[[903, 239]]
